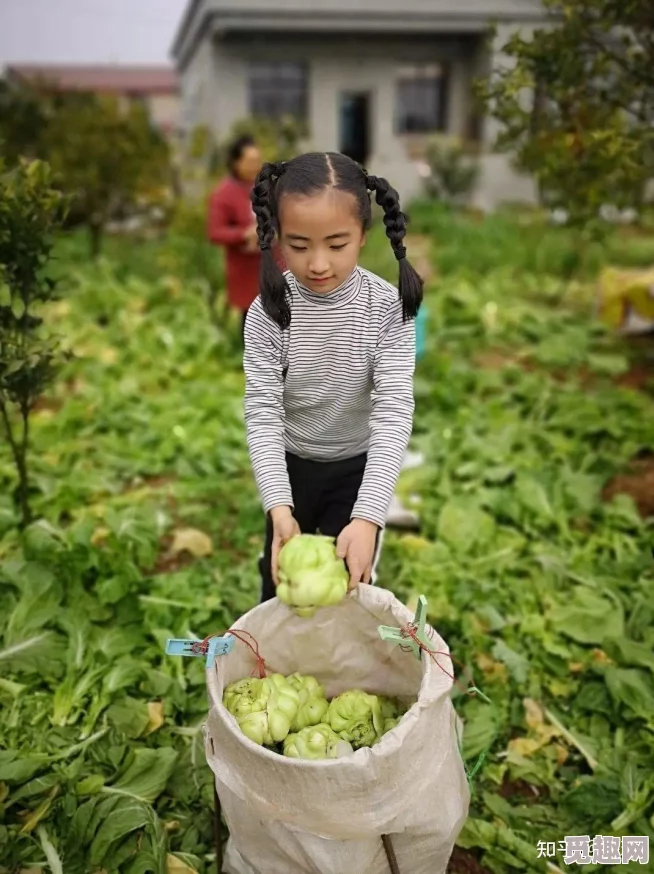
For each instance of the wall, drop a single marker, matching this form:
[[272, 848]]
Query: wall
[[499, 181], [339, 64], [215, 89], [165, 110]]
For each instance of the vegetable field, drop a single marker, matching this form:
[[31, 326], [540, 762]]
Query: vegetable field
[[535, 555]]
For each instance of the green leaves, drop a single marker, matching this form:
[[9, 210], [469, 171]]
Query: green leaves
[[585, 131], [588, 617], [463, 525], [146, 773]]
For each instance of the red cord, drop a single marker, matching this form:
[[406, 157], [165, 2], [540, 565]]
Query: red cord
[[260, 667], [411, 631]]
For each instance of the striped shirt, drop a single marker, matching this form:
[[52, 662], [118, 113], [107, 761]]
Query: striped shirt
[[335, 384]]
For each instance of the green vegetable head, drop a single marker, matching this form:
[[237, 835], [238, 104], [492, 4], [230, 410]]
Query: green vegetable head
[[390, 707], [316, 742], [306, 682], [264, 709], [245, 697], [310, 574], [356, 716]]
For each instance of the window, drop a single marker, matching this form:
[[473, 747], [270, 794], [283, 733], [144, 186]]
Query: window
[[421, 99], [278, 89]]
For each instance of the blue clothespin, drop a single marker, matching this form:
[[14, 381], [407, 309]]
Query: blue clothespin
[[211, 648], [395, 635]]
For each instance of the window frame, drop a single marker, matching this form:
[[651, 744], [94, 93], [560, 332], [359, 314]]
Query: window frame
[[271, 74], [422, 75]]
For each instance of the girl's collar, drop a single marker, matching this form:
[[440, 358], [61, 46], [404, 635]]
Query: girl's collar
[[344, 293]]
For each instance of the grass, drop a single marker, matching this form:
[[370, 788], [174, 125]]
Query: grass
[[533, 555]]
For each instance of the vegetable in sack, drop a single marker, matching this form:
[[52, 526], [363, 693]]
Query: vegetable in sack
[[264, 709], [310, 574], [357, 717], [316, 742], [313, 704], [391, 711]]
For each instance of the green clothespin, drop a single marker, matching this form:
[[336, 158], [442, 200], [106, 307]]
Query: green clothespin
[[395, 635]]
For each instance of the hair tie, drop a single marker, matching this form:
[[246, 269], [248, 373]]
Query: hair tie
[[371, 183], [264, 246], [400, 252]]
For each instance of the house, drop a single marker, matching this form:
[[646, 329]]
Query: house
[[157, 87], [371, 78]]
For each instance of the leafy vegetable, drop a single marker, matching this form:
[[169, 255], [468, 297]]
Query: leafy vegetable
[[310, 574], [316, 742], [357, 717]]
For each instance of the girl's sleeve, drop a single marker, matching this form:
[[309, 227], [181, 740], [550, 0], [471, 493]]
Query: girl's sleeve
[[220, 227], [264, 407], [391, 420]]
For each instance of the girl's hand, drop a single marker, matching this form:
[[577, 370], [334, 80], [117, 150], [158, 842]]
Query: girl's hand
[[284, 527], [356, 544]]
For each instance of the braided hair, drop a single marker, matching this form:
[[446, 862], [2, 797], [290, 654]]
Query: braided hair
[[309, 174]]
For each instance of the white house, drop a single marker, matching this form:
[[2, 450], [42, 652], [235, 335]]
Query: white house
[[371, 78]]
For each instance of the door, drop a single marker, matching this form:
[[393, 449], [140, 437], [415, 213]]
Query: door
[[355, 126]]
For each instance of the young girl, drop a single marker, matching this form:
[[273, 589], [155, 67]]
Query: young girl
[[329, 361]]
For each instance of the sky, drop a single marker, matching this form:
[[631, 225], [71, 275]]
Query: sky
[[88, 31]]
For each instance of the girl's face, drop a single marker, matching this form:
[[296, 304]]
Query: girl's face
[[320, 237]]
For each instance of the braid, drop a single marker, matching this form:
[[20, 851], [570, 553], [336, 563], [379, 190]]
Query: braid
[[410, 284], [272, 285]]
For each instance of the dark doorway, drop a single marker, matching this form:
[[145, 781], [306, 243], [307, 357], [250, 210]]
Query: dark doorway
[[355, 126]]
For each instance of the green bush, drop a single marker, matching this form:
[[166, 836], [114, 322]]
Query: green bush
[[454, 169]]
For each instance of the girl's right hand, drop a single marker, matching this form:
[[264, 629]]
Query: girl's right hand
[[284, 527]]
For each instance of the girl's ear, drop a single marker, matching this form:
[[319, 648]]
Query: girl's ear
[[364, 238]]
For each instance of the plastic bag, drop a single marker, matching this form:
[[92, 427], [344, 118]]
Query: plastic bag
[[290, 816]]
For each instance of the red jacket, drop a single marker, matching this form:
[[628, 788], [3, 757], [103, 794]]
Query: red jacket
[[230, 214]]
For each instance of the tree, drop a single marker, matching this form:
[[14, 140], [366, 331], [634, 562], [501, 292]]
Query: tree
[[576, 104], [23, 118], [106, 155], [31, 210]]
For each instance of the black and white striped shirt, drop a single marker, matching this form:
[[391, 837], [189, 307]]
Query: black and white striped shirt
[[337, 383]]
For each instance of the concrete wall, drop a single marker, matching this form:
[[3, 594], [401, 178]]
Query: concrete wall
[[499, 181], [165, 110]]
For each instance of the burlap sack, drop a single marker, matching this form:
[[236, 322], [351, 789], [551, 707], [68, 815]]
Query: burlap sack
[[288, 816]]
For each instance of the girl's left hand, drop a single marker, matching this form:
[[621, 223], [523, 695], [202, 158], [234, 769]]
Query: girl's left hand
[[356, 545]]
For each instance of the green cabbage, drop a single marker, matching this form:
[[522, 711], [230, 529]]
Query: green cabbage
[[316, 742], [357, 717], [390, 707], [264, 709], [310, 574], [313, 704]]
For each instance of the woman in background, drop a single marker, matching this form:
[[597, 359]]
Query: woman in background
[[232, 224]]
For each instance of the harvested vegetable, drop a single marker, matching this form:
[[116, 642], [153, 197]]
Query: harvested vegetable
[[357, 717], [264, 709], [310, 574], [316, 742], [313, 704]]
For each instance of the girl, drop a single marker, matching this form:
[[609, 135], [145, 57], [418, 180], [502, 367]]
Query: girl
[[329, 360]]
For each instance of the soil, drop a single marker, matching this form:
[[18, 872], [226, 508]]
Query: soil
[[523, 790], [638, 482], [169, 563], [640, 377], [465, 862]]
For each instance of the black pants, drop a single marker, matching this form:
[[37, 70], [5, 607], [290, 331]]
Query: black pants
[[324, 493]]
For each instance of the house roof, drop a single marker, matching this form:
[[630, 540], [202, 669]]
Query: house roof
[[362, 16], [113, 79]]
